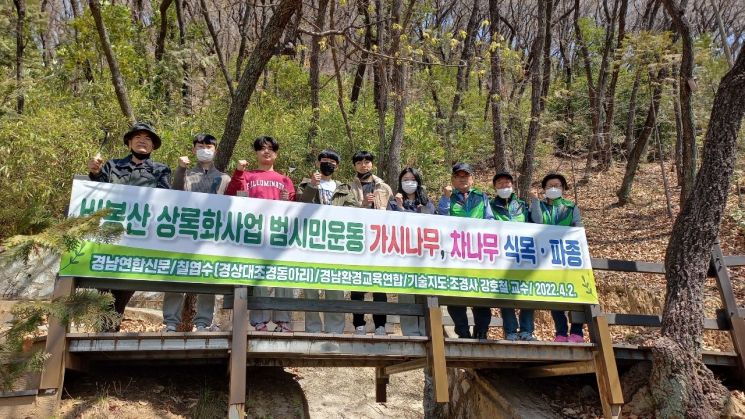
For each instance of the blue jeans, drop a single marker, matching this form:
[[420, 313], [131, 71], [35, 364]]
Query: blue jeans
[[481, 320], [560, 324], [509, 321]]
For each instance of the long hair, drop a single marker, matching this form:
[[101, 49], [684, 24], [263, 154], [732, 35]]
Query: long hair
[[421, 194]]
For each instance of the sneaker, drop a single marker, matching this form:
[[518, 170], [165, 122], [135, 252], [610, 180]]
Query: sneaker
[[170, 328], [283, 327], [260, 327], [210, 328], [511, 336], [527, 337], [360, 330], [576, 338], [380, 331], [562, 339]]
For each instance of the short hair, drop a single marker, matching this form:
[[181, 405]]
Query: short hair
[[204, 139], [329, 154], [550, 176], [264, 141], [363, 155], [501, 175]]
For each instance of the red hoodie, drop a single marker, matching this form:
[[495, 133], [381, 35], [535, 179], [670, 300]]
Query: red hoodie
[[264, 184]]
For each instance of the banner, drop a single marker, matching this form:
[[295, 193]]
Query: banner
[[203, 238]]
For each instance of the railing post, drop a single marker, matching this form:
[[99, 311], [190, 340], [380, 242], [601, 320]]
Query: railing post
[[381, 382], [606, 372], [238, 348], [436, 350], [53, 375], [732, 311]]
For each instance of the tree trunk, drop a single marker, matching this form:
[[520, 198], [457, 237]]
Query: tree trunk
[[185, 84], [495, 94], [461, 78], [218, 50], [116, 74], [398, 81], [617, 53], [681, 384], [337, 76], [20, 20], [380, 88], [678, 127], [640, 146], [243, 31], [686, 84], [260, 56], [527, 166], [359, 75], [314, 79], [47, 50], [631, 115], [160, 43], [722, 33]]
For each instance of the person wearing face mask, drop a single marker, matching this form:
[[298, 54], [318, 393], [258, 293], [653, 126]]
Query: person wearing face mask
[[411, 196], [321, 188], [136, 169], [554, 209], [205, 178], [508, 207], [371, 192], [461, 199]]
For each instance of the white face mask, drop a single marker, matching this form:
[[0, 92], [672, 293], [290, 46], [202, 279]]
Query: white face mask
[[205, 154], [409, 186], [504, 193], [553, 193]]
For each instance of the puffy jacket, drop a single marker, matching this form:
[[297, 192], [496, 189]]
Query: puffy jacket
[[125, 172]]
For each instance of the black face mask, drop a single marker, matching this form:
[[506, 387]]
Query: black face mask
[[140, 155], [364, 176], [327, 169]]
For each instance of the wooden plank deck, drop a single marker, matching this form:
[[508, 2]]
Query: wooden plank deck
[[316, 349]]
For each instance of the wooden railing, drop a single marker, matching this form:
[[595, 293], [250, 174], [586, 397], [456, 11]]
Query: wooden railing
[[602, 363]]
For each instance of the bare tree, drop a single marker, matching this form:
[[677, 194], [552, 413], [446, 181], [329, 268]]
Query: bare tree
[[116, 74], [686, 84], [680, 383], [20, 45], [495, 94], [536, 80], [218, 49], [257, 61], [315, 76], [160, 43]]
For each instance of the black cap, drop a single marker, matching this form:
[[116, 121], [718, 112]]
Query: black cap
[[142, 127], [501, 175], [463, 167], [550, 176], [204, 139]]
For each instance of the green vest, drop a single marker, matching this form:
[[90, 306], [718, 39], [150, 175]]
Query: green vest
[[469, 208], [559, 213], [516, 210]]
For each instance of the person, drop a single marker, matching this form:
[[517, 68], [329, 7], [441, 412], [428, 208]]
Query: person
[[461, 199], [265, 183], [411, 196], [371, 192], [506, 206], [136, 169], [205, 178], [555, 210], [321, 188]]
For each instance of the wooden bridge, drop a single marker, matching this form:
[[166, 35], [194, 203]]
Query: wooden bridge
[[387, 354]]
